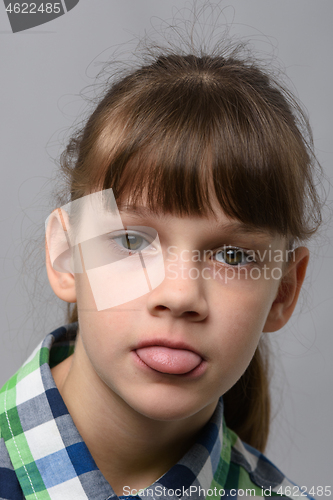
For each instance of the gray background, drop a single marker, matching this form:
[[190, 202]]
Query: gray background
[[43, 72]]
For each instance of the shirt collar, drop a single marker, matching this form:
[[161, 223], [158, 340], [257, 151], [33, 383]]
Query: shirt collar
[[49, 455]]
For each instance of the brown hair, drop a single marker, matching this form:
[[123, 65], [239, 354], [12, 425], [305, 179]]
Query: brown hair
[[184, 125]]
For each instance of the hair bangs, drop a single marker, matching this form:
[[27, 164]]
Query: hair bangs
[[181, 153], [184, 132]]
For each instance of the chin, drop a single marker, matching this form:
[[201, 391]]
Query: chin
[[167, 414], [168, 409]]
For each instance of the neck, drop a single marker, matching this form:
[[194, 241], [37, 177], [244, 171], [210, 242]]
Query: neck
[[142, 449]]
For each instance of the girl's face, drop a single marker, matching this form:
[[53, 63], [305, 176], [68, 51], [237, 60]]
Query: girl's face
[[174, 351]]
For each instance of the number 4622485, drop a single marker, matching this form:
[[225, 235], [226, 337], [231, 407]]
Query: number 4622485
[[31, 8]]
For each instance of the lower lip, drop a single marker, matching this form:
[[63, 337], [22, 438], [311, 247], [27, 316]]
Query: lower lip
[[196, 372]]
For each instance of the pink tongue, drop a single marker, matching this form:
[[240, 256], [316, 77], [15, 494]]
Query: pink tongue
[[166, 360]]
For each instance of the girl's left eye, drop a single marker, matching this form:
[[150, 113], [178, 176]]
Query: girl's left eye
[[233, 256]]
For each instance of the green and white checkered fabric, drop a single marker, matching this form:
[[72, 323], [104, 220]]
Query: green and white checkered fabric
[[43, 457]]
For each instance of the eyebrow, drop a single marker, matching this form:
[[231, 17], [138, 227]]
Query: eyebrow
[[139, 211], [242, 228], [236, 227]]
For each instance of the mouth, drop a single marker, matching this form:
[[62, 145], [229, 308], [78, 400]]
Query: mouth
[[169, 358]]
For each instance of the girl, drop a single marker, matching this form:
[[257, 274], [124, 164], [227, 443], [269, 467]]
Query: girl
[[190, 189]]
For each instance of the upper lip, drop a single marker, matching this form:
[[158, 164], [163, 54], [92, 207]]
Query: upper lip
[[172, 344]]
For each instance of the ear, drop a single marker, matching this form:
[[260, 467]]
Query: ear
[[58, 256], [288, 291]]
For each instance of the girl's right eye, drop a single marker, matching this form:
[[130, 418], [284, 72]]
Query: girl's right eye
[[130, 242]]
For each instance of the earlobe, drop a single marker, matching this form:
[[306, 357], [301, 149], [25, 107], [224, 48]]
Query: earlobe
[[58, 258], [288, 291]]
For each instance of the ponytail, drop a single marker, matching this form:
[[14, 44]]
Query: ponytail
[[247, 404]]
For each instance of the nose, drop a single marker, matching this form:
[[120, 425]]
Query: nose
[[181, 294]]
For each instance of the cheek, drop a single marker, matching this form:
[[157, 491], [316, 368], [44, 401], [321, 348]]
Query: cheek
[[240, 317], [244, 303], [102, 347], [85, 299], [106, 334]]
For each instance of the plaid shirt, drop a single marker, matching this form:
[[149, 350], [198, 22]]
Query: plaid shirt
[[43, 457]]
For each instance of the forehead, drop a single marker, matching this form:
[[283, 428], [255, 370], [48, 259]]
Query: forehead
[[99, 213], [212, 212], [216, 223]]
